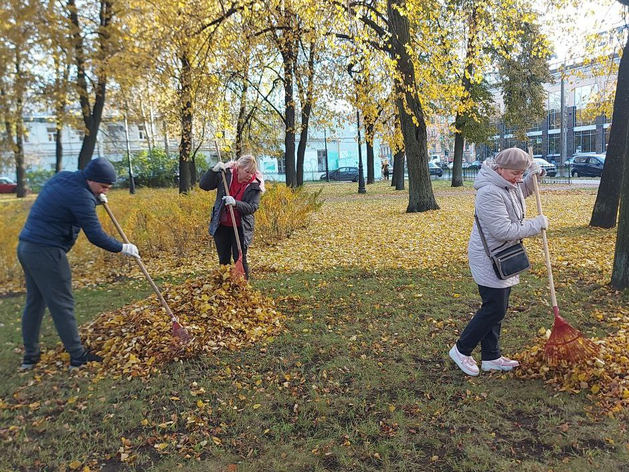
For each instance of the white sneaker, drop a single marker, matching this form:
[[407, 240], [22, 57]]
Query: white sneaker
[[502, 363], [466, 363]]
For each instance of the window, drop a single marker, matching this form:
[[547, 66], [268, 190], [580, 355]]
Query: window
[[52, 134], [511, 142], [554, 119], [581, 99], [536, 144], [554, 144], [585, 141], [554, 100], [115, 132], [385, 152], [321, 160], [537, 127], [607, 131], [142, 132], [281, 165]]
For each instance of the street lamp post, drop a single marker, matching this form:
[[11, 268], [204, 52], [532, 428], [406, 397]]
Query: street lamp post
[[131, 181], [361, 176], [325, 146]]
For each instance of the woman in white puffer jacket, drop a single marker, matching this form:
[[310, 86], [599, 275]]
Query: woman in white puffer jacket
[[500, 208]]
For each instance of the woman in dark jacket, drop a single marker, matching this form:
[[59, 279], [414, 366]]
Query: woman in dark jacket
[[246, 186]]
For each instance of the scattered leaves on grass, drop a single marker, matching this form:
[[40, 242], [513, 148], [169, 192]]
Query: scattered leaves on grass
[[605, 377]]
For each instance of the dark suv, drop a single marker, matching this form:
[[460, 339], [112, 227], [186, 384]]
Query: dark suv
[[587, 165], [343, 173]]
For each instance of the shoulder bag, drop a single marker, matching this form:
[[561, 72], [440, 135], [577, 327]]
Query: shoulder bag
[[507, 262]]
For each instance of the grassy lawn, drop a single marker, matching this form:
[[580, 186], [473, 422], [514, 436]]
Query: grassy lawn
[[359, 381]]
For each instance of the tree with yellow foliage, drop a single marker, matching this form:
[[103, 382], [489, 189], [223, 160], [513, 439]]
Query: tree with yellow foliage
[[19, 36]]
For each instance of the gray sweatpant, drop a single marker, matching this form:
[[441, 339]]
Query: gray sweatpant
[[48, 284]]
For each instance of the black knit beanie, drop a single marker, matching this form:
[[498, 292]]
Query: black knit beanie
[[100, 170]]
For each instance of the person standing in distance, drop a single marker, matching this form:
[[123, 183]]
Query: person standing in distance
[[65, 206]]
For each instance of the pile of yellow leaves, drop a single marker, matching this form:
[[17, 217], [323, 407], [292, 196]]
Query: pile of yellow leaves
[[606, 377], [217, 312]]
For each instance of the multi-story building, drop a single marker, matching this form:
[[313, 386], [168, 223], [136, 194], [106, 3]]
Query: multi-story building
[[581, 131]]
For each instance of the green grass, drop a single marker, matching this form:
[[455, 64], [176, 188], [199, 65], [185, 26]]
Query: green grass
[[360, 381]]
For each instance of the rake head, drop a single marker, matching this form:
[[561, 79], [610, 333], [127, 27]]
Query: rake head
[[180, 332], [238, 272], [568, 344]]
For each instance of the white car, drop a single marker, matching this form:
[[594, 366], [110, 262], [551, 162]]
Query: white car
[[551, 170]]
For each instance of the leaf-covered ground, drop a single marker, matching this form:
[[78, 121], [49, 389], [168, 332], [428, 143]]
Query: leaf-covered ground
[[138, 340], [353, 376]]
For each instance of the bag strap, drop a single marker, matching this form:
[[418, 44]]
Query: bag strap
[[482, 236]]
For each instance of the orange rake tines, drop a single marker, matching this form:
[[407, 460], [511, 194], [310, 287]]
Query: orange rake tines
[[567, 343]]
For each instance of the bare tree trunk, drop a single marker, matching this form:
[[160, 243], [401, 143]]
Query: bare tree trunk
[[466, 83], [620, 270], [17, 145], [457, 164], [289, 115], [420, 195], [185, 146], [369, 129], [303, 141], [606, 205], [59, 148], [61, 83], [145, 122], [306, 93], [91, 116], [398, 170], [166, 140]]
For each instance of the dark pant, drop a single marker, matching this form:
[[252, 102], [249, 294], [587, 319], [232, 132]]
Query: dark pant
[[226, 246], [48, 284], [484, 328]]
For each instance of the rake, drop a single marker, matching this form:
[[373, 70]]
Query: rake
[[178, 331], [565, 342], [238, 271]]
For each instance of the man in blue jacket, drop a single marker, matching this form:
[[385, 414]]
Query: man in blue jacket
[[65, 205]]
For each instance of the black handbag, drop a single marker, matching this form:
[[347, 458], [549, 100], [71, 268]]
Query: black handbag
[[507, 262]]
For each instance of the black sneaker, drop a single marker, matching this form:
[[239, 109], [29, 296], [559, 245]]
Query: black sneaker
[[84, 359], [30, 361]]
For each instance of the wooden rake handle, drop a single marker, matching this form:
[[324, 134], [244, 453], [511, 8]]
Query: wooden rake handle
[[141, 264], [231, 212], [549, 269]]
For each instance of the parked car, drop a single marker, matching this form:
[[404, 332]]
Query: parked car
[[551, 170], [435, 169], [472, 165], [7, 185], [343, 173], [587, 165]]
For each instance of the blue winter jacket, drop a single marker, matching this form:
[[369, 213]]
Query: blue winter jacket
[[64, 206]]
